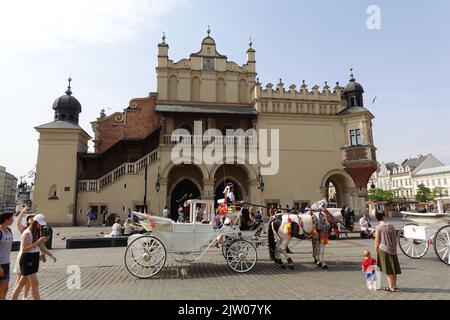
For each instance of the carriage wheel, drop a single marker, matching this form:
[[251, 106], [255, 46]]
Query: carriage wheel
[[442, 244], [226, 245], [414, 249], [145, 257], [241, 256]]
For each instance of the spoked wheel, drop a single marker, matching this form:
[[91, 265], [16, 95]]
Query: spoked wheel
[[241, 256], [442, 244], [225, 246], [414, 249], [145, 257]]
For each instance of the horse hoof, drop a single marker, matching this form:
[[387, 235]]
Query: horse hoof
[[290, 261], [315, 260], [319, 264], [325, 267]]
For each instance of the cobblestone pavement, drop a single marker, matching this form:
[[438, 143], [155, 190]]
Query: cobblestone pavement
[[104, 276]]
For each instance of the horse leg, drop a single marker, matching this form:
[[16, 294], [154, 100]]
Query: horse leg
[[285, 252], [279, 249]]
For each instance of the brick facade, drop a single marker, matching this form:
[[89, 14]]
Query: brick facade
[[135, 123]]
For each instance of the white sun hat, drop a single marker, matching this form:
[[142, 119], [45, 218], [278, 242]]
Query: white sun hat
[[40, 218]]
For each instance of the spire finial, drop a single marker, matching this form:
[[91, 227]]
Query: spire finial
[[250, 44], [164, 38], [209, 30], [352, 77], [69, 88]]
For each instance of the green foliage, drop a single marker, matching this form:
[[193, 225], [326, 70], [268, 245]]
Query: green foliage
[[439, 192], [381, 195], [424, 194]]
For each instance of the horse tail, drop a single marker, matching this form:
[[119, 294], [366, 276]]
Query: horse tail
[[272, 248]]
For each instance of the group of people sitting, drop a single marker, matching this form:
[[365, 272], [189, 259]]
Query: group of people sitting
[[129, 228]]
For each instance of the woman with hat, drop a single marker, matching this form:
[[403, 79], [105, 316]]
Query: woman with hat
[[31, 244]]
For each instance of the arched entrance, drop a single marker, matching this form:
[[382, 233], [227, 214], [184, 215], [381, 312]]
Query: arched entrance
[[185, 190], [336, 186]]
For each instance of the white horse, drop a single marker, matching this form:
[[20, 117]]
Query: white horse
[[284, 227]]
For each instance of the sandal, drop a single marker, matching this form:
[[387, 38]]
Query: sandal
[[388, 289]]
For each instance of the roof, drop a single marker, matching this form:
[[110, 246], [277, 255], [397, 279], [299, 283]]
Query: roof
[[414, 163], [65, 125], [353, 110], [215, 109], [432, 171]]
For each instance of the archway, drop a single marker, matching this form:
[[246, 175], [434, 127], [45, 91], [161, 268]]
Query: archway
[[336, 184], [185, 190]]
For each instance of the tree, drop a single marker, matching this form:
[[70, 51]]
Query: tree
[[439, 192], [424, 194], [381, 195]]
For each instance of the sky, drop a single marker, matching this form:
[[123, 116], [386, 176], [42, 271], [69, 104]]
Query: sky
[[109, 48]]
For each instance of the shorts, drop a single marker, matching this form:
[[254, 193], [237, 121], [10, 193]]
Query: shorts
[[29, 263], [6, 273], [371, 276]]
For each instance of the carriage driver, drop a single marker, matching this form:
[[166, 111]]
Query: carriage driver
[[320, 238]]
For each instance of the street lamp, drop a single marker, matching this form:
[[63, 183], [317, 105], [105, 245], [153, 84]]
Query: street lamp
[[145, 187], [157, 184], [261, 181]]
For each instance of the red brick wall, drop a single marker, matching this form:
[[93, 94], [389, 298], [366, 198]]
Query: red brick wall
[[136, 123]]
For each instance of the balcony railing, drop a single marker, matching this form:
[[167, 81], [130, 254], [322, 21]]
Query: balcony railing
[[117, 174], [218, 140]]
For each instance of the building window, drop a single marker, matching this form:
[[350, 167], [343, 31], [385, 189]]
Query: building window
[[355, 137], [445, 181], [439, 182]]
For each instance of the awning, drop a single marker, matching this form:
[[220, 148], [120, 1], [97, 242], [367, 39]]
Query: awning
[[215, 109]]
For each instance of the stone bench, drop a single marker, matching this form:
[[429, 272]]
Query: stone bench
[[96, 242]]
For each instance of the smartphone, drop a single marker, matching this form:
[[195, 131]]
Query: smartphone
[[46, 232]]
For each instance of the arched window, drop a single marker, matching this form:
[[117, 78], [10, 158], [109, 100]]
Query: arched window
[[220, 90], [195, 89], [243, 91], [173, 88], [352, 102], [53, 193], [225, 128]]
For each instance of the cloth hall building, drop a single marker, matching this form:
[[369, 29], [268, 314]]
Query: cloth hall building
[[325, 135]]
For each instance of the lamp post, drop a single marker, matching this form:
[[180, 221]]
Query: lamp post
[[261, 181], [145, 187]]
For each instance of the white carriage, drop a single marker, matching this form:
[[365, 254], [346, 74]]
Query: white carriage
[[146, 255]]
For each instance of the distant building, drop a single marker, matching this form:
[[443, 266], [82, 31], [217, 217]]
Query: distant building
[[404, 179], [8, 187]]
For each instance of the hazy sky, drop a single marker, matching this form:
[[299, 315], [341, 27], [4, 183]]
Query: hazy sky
[[110, 49]]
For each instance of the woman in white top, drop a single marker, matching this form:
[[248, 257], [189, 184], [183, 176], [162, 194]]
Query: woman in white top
[[31, 245], [22, 228], [116, 230]]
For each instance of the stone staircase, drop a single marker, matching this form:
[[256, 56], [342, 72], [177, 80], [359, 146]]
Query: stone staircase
[[117, 174]]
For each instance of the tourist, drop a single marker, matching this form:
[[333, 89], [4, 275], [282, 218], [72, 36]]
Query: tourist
[[89, 216], [6, 241], [367, 232], [181, 218], [32, 243], [386, 241], [105, 212], [368, 267], [258, 217], [165, 213], [130, 228], [22, 228], [116, 230]]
